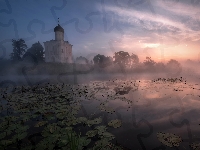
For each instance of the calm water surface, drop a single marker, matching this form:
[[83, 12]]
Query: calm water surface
[[156, 107]]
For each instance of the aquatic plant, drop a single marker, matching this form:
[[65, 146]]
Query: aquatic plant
[[53, 109], [37, 107]]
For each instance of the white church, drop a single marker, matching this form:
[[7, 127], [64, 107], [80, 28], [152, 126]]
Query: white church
[[58, 50]]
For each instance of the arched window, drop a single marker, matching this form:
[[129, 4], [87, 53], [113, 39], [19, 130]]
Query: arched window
[[62, 50]]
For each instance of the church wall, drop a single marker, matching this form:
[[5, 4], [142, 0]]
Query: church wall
[[59, 36], [69, 52], [65, 52], [52, 54], [58, 50]]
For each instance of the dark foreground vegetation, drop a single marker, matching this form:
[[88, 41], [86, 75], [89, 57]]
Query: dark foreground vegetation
[[52, 116]]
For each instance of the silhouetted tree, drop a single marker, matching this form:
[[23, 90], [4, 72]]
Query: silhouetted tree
[[109, 59], [134, 60], [102, 61], [189, 61], [173, 65], [37, 51], [82, 60], [98, 59], [149, 62], [174, 68], [122, 58], [19, 48], [160, 66]]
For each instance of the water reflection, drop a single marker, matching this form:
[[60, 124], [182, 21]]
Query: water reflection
[[154, 102], [158, 106]]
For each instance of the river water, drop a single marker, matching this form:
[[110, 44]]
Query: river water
[[157, 107]]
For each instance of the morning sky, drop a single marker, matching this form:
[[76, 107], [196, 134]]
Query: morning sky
[[161, 29]]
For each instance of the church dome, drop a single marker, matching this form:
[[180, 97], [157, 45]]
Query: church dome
[[58, 28]]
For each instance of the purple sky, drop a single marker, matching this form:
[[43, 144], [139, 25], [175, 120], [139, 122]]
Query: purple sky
[[161, 29]]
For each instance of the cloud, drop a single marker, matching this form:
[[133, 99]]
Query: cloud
[[152, 45], [145, 19], [179, 9], [163, 32], [188, 14], [179, 22]]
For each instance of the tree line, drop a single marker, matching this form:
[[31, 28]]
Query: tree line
[[121, 58], [22, 52]]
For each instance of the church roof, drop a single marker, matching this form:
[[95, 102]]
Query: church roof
[[58, 28]]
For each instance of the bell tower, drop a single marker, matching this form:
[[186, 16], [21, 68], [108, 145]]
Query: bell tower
[[59, 32], [58, 50]]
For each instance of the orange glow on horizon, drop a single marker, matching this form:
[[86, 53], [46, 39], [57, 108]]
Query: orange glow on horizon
[[159, 52]]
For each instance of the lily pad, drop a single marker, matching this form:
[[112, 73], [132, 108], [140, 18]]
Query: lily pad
[[53, 128], [95, 121], [169, 139], [30, 147], [101, 128], [91, 133], [195, 146], [41, 123], [21, 128], [6, 142], [3, 125], [26, 118], [68, 128], [115, 123], [107, 135], [19, 136], [83, 141], [60, 115], [42, 145], [101, 144], [2, 135], [82, 120], [63, 141]]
